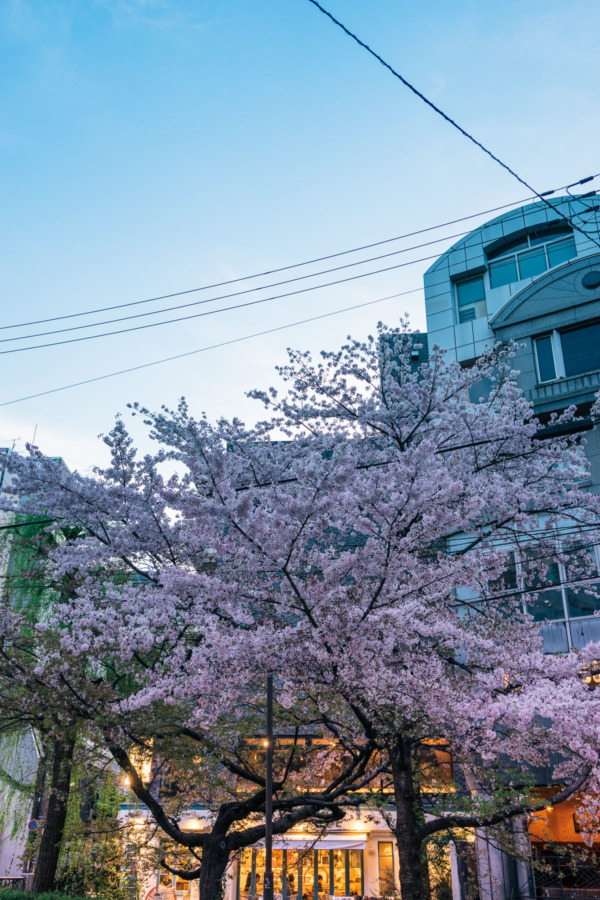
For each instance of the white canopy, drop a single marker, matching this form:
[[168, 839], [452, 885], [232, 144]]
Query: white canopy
[[327, 842]]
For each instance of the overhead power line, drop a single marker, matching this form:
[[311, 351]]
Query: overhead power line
[[246, 291], [251, 290], [238, 340], [212, 312], [27, 524], [291, 266], [448, 118]]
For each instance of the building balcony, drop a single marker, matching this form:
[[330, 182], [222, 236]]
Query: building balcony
[[561, 393]]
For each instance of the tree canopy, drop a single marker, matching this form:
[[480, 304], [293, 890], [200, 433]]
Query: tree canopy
[[379, 542]]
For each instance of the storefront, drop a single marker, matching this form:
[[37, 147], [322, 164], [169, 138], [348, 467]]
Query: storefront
[[305, 870], [357, 861], [172, 887]]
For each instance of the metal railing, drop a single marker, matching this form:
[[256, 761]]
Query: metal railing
[[564, 878], [17, 883]]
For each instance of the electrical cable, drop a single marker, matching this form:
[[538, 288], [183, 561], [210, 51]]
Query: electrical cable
[[237, 293], [232, 294], [238, 340], [293, 265], [212, 312], [27, 524], [516, 593], [448, 118]]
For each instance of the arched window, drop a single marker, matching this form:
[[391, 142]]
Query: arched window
[[530, 254]]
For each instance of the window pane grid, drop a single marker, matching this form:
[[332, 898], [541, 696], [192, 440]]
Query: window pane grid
[[386, 868], [581, 349], [569, 353], [302, 874], [470, 297], [541, 255], [557, 600]]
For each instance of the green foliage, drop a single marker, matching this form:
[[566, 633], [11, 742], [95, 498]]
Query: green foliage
[[436, 864], [25, 583], [17, 781], [11, 894], [92, 856]]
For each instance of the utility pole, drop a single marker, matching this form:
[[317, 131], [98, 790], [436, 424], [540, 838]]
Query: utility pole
[[268, 881]]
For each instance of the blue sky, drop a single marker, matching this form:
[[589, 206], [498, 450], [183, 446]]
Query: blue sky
[[151, 146]]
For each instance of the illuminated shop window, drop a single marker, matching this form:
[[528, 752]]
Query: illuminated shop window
[[302, 874], [385, 852]]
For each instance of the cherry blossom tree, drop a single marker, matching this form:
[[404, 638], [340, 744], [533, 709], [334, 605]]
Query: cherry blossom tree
[[359, 542], [115, 687]]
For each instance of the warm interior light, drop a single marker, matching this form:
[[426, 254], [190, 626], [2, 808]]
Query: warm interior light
[[265, 743], [192, 825]]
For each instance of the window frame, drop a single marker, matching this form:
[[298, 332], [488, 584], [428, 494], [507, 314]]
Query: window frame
[[474, 304], [563, 586], [514, 256], [304, 860], [393, 868], [558, 355], [505, 257]]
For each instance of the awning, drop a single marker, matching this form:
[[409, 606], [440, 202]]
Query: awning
[[327, 842]]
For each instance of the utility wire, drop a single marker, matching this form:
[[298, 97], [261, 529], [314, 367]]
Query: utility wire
[[243, 292], [212, 312], [252, 290], [226, 296], [308, 262], [238, 340], [448, 118], [27, 524]]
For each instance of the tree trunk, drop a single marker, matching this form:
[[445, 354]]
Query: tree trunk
[[56, 815], [215, 857], [36, 808], [413, 884]]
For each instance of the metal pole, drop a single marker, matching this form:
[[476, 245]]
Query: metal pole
[[268, 882]]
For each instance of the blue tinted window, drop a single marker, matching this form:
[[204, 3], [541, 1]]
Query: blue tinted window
[[581, 604], [532, 263], [471, 299], [503, 272], [580, 601], [509, 247], [543, 235], [581, 349], [480, 390], [545, 357], [467, 314], [470, 291], [548, 250], [542, 573], [584, 631], [561, 251], [547, 606]]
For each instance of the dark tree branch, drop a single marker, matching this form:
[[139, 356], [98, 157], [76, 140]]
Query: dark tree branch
[[460, 821]]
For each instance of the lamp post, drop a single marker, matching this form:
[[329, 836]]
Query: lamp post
[[268, 880]]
